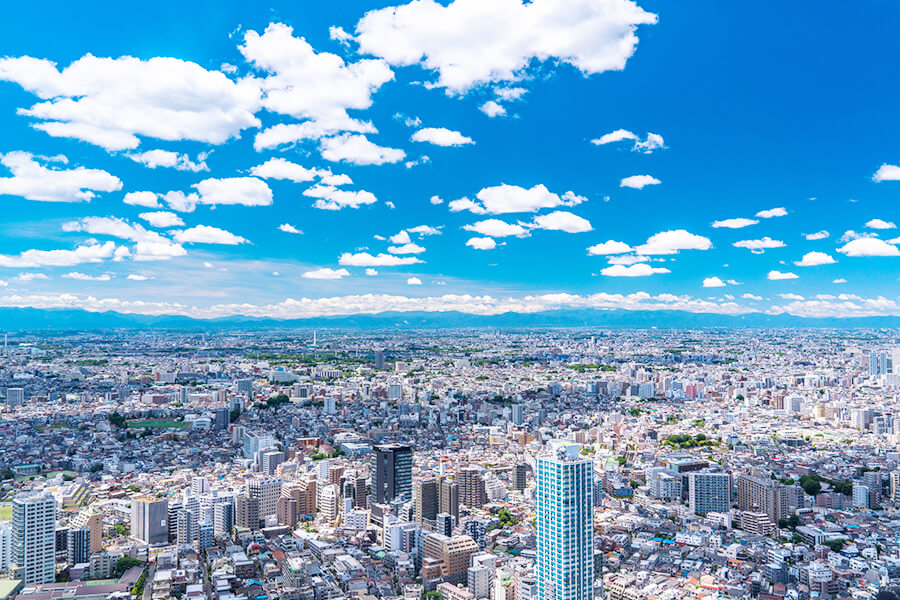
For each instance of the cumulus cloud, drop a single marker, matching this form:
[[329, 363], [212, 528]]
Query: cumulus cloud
[[288, 228], [880, 224], [245, 191], [713, 282], [365, 259], [85, 277], [469, 42], [812, 259], [671, 242], [759, 246], [496, 228], [162, 219], [316, 88], [652, 142], [280, 168], [371, 272], [29, 259], [562, 220], [109, 102], [492, 109], [441, 136], [331, 198], [886, 172], [34, 181], [172, 160], [205, 234], [749, 296], [778, 275], [609, 247], [503, 199], [868, 246], [25, 277], [145, 199], [626, 259], [839, 280], [150, 245], [819, 235], [413, 281], [409, 248], [436, 200], [639, 182], [738, 223], [358, 150], [326, 273], [635, 270], [425, 230], [136, 277], [772, 212], [481, 243]]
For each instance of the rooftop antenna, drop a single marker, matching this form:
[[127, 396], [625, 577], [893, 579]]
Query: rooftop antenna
[[315, 334]]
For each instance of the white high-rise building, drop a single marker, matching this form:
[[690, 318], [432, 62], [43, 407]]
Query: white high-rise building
[[565, 529], [5, 545], [34, 538], [328, 501], [267, 490], [199, 485]]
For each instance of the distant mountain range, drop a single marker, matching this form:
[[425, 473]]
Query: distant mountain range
[[30, 319]]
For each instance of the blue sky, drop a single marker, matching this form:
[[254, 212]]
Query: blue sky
[[524, 157]]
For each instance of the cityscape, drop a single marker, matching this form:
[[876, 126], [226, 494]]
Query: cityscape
[[455, 465], [450, 300]]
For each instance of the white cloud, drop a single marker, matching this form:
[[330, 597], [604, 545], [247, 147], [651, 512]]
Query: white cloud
[[358, 150], [852, 235], [280, 168], [759, 246], [317, 88], [496, 228], [671, 242], [406, 249], [25, 277], [470, 43], [839, 280], [371, 272], [778, 275], [162, 219], [886, 172], [136, 277], [562, 220], [819, 235], [772, 212], [109, 102], [34, 181], [29, 259], [413, 281], [609, 247], [178, 200], [626, 259], [652, 142], [436, 200], [85, 277], [145, 199], [869, 247], [425, 230], [161, 249], [635, 270], [481, 243], [205, 234], [441, 136], [172, 160], [245, 191], [738, 223], [492, 109], [364, 259], [288, 228], [639, 182], [812, 259], [880, 224], [400, 238], [502, 199], [331, 198], [791, 296], [326, 273], [614, 136], [713, 282], [749, 296]]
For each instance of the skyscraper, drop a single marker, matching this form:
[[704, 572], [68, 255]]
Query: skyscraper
[[425, 493], [78, 545], [150, 520], [709, 492], [565, 530], [34, 538], [520, 476], [267, 490], [449, 501], [471, 487], [246, 512], [392, 477]]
